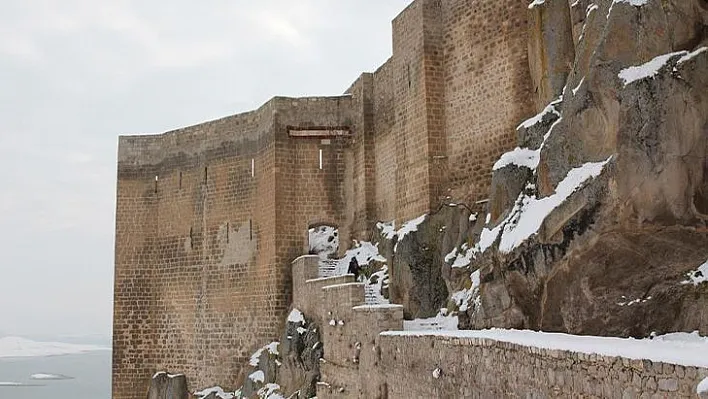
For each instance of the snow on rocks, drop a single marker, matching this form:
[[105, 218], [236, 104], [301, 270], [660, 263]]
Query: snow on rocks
[[270, 391], [296, 316], [687, 349], [698, 276], [272, 348], [536, 3], [257, 376], [519, 157], [635, 3], [525, 156], [217, 391], [692, 55], [377, 283], [409, 227], [463, 298], [529, 212], [365, 253], [387, 229], [702, 388], [550, 109], [647, 70], [324, 240]]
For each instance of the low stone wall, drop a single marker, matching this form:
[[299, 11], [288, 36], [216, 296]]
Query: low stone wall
[[448, 367], [365, 357]]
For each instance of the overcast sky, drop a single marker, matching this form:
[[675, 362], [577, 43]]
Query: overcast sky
[[75, 74]]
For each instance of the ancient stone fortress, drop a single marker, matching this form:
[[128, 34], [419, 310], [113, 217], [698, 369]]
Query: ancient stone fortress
[[587, 218]]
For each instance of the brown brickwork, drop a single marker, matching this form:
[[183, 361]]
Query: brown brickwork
[[203, 247]]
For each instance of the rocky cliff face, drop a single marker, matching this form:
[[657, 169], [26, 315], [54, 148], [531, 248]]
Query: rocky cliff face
[[598, 217], [600, 213]]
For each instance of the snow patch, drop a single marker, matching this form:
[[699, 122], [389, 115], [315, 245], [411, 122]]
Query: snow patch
[[691, 55], [324, 241], [296, 316], [272, 348], [635, 3], [441, 322], [519, 157], [54, 377], [387, 229], [688, 349], [702, 387], [21, 347], [218, 391], [409, 227], [528, 213], [698, 276], [575, 90], [550, 109], [463, 298], [270, 391], [536, 3], [257, 376], [648, 69], [365, 253], [377, 283]]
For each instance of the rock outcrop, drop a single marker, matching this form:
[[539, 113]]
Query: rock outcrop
[[626, 147]]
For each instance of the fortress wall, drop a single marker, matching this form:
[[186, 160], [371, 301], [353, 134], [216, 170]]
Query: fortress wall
[[471, 366], [384, 197], [199, 281], [361, 159], [409, 74], [306, 194], [488, 89]]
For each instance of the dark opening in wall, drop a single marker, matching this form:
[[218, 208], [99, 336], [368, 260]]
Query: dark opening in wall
[[228, 227], [180, 180], [408, 74], [206, 174], [156, 179], [250, 229], [191, 238]]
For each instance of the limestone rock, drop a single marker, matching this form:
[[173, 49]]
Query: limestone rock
[[551, 48]]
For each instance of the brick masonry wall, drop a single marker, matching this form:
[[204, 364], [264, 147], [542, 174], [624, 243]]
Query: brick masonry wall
[[189, 283], [447, 103], [488, 89], [203, 244]]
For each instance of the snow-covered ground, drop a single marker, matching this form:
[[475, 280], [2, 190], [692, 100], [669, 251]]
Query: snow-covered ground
[[21, 347], [676, 348], [44, 376]]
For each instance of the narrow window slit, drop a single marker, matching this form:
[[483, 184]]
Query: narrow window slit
[[156, 179], [180, 179], [253, 167], [228, 228], [250, 229], [206, 174], [191, 238], [320, 158]]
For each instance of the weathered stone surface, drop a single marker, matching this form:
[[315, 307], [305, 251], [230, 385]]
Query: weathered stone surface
[[168, 386], [551, 49], [611, 259]]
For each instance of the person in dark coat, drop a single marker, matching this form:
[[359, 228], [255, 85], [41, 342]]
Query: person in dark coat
[[354, 268]]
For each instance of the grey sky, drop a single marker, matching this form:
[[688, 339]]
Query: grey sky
[[75, 74]]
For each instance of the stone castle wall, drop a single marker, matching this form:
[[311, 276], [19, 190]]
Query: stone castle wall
[[202, 235], [366, 356], [209, 217]]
